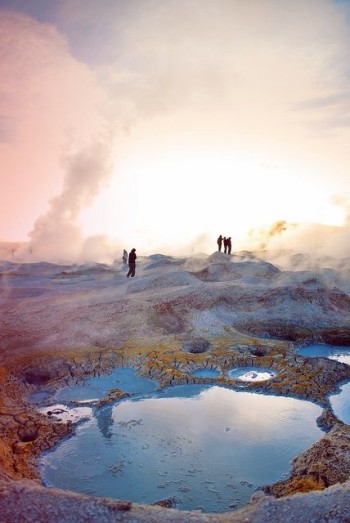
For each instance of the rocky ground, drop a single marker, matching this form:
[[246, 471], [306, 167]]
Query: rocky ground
[[61, 323]]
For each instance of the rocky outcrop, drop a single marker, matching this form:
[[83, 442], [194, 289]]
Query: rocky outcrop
[[326, 463]]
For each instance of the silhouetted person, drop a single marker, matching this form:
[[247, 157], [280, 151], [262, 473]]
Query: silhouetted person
[[229, 245], [132, 263], [219, 242], [225, 245], [125, 257]]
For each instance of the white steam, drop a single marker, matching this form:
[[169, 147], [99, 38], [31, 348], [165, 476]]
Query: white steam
[[57, 235]]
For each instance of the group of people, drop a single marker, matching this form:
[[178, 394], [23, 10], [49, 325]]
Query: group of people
[[131, 259], [226, 242]]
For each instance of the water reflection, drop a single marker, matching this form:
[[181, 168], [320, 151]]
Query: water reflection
[[208, 447], [341, 354], [341, 404], [38, 397], [104, 421], [206, 373], [123, 378]]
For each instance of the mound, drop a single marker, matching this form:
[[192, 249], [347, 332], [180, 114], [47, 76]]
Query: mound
[[226, 271], [162, 281], [160, 260]]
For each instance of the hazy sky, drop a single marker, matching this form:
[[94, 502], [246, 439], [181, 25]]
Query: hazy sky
[[160, 124]]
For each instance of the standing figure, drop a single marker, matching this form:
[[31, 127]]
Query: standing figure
[[125, 257], [132, 263], [225, 245], [219, 242], [229, 245]]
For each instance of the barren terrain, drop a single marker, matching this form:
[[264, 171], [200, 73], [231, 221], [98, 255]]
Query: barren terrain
[[61, 323]]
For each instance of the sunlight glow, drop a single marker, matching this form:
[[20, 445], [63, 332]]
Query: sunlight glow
[[167, 198]]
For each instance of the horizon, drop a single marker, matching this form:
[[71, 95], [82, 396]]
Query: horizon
[[312, 256]]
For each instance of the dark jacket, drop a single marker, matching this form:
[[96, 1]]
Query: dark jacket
[[132, 257]]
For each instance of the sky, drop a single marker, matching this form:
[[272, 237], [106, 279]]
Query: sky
[[160, 124]]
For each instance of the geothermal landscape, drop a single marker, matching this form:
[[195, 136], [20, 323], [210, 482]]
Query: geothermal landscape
[[243, 360]]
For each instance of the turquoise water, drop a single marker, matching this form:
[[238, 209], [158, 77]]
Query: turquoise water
[[206, 373], [207, 446], [341, 404], [240, 373], [123, 378], [341, 354]]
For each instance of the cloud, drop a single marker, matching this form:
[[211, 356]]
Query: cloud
[[255, 61], [49, 105], [263, 79], [56, 139]]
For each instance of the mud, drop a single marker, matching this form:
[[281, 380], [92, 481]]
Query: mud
[[26, 433]]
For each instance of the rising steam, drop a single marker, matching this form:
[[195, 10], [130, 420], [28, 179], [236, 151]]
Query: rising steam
[[57, 235]]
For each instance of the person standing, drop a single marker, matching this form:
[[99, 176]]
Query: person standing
[[219, 242], [132, 263], [229, 245], [125, 257], [225, 245]]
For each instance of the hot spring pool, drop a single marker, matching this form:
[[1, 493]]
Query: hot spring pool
[[248, 374], [341, 354], [206, 373], [207, 446], [123, 378], [252, 374], [341, 403]]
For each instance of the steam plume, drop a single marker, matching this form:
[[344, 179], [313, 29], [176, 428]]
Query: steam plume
[[57, 235]]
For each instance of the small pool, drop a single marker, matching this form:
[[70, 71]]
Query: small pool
[[341, 403], [123, 378], [206, 373], [38, 397], [251, 374], [341, 354], [208, 447]]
